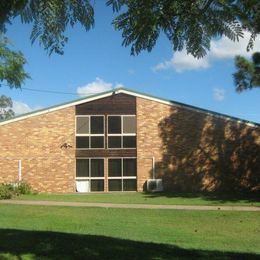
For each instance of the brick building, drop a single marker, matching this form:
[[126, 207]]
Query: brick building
[[117, 140]]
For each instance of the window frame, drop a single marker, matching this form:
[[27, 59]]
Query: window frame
[[89, 135], [122, 134], [122, 177], [89, 178]]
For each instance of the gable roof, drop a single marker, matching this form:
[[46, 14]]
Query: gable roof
[[128, 92]]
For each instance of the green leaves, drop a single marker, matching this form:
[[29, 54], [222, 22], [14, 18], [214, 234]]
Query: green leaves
[[6, 105], [187, 24], [247, 75], [11, 65], [50, 18]]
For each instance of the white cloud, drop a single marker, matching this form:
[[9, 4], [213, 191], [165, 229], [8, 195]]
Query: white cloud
[[218, 94], [182, 61], [220, 49], [97, 86], [225, 48], [22, 108]]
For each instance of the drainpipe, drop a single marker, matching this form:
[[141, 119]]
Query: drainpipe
[[153, 164], [19, 170]]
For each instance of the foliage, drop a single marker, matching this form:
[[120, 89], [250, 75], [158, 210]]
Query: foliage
[[11, 65], [187, 24], [24, 188], [7, 191], [247, 75], [6, 104], [50, 19], [10, 190]]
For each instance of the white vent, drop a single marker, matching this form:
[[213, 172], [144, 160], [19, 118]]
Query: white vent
[[154, 185]]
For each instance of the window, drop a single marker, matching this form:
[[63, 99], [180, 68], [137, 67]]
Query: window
[[90, 132], [121, 131], [122, 174], [92, 172]]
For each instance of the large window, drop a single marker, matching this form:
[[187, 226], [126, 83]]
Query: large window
[[91, 172], [90, 132], [122, 174], [121, 131]]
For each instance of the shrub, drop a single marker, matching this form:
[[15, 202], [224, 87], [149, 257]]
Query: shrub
[[24, 188], [7, 191]]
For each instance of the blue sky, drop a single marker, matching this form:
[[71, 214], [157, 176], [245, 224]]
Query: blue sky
[[94, 61]]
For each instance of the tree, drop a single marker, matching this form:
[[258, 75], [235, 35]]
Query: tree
[[6, 105], [187, 24], [50, 19], [11, 65], [11, 72], [247, 75]]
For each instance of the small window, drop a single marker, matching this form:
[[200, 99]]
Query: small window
[[115, 167], [97, 125], [82, 125], [114, 124], [97, 142], [97, 168], [129, 125], [82, 168], [129, 167], [129, 141], [82, 142], [114, 142]]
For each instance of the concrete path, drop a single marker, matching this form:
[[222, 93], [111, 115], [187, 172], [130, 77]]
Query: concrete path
[[128, 206]]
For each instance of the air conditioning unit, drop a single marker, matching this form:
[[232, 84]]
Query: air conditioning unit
[[154, 185]]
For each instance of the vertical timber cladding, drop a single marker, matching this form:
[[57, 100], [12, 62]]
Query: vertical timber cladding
[[117, 104]]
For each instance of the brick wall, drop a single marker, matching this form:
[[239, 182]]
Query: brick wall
[[195, 151], [37, 141], [149, 143]]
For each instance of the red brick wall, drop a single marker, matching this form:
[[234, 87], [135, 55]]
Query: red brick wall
[[37, 142]]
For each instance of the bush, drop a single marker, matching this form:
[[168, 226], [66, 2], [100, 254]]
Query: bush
[[24, 188], [7, 191]]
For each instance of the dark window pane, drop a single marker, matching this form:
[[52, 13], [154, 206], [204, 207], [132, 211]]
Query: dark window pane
[[97, 125], [129, 167], [129, 185], [82, 142], [82, 168], [97, 168], [114, 167], [129, 125], [114, 142], [97, 185], [129, 141], [114, 125], [82, 125], [97, 142], [114, 185]]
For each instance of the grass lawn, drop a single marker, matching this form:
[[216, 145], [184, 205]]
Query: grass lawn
[[42, 232], [160, 198]]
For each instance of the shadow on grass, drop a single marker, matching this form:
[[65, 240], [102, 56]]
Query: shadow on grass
[[16, 244], [223, 197]]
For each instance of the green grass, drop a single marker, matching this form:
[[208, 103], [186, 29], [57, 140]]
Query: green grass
[[42, 232], [160, 198]]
